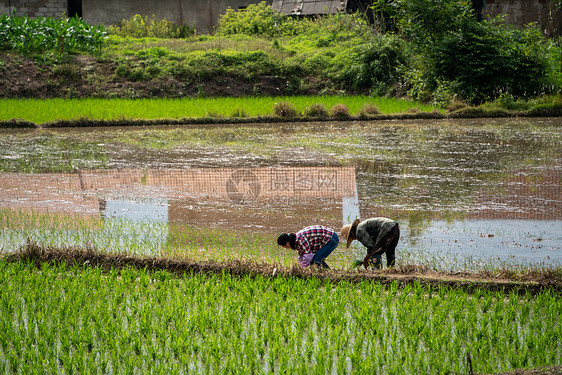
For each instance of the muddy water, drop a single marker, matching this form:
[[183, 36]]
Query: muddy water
[[466, 193]]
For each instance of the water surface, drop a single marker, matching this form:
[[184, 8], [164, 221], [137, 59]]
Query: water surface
[[466, 193]]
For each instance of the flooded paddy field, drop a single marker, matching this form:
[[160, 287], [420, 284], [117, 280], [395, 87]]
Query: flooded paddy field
[[468, 194]]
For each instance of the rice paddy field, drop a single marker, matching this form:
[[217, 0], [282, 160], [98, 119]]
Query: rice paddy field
[[41, 111], [478, 200], [80, 319]]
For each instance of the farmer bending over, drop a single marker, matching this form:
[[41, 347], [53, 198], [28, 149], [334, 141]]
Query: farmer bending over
[[379, 235], [313, 244]]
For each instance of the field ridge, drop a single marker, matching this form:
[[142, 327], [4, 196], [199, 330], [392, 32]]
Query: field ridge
[[89, 257], [434, 115]]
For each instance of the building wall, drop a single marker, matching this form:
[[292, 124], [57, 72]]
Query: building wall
[[201, 14], [35, 8], [204, 14], [524, 12]]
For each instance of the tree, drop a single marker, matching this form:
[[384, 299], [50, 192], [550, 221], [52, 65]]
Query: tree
[[471, 58]]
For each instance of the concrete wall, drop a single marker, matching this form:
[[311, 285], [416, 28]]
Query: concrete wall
[[524, 12], [35, 8], [201, 14]]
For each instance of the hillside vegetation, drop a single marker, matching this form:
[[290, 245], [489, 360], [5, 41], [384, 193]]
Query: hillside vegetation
[[428, 50]]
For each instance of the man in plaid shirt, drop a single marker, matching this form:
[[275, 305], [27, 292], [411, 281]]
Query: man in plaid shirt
[[313, 244]]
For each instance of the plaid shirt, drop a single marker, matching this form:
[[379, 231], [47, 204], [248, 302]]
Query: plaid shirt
[[311, 239]]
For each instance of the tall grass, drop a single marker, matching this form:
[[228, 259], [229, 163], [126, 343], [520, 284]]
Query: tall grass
[[42, 111], [82, 320]]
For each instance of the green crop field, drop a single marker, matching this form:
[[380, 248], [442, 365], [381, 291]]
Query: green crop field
[[44, 110], [59, 319]]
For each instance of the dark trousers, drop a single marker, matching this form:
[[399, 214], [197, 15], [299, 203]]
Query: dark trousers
[[388, 245], [324, 251]]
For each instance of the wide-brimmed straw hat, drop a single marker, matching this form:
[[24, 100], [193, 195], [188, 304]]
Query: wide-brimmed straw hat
[[348, 231]]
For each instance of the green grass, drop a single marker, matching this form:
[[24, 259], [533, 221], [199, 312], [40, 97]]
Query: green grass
[[82, 320], [41, 111]]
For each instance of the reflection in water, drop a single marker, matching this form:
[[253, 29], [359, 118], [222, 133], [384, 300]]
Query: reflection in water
[[134, 218], [143, 204], [146, 210], [259, 199]]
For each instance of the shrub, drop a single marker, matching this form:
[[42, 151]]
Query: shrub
[[375, 66], [340, 111], [485, 60], [455, 55], [67, 72], [316, 110], [153, 71], [256, 19], [285, 109], [138, 74], [180, 71], [123, 71], [139, 26]]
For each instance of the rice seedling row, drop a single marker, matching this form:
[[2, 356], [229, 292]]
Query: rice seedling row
[[80, 319]]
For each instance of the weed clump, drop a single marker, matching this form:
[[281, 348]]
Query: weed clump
[[456, 105], [285, 110], [340, 111], [369, 109], [139, 26], [214, 115], [316, 110], [67, 72]]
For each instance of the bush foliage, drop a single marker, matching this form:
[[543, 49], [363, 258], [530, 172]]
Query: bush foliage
[[140, 26]]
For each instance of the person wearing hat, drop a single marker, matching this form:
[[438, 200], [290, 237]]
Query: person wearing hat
[[313, 244], [379, 235]]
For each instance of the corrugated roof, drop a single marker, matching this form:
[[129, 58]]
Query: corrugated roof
[[309, 7]]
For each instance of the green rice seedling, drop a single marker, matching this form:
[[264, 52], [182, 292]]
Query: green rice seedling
[[113, 235], [41, 111]]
